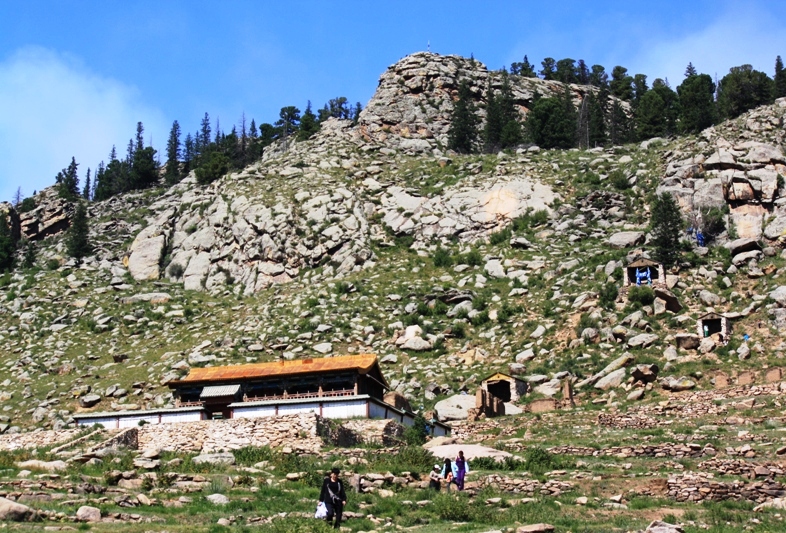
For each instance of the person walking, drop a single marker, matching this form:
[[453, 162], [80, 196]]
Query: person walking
[[434, 482], [461, 469], [448, 472], [334, 497]]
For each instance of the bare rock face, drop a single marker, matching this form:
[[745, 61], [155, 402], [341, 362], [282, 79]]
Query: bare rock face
[[414, 100], [51, 216], [739, 167]]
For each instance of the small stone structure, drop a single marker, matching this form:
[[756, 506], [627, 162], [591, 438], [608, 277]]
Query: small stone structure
[[643, 271], [506, 388], [716, 326], [486, 406]]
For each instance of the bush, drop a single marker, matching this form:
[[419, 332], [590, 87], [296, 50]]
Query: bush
[[412, 459], [585, 322], [251, 455], [176, 270], [52, 264], [608, 295], [538, 461], [442, 258], [472, 258], [216, 166], [619, 181], [501, 237], [27, 205], [641, 295], [714, 223], [415, 435]]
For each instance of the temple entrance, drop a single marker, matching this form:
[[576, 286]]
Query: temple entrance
[[499, 389]]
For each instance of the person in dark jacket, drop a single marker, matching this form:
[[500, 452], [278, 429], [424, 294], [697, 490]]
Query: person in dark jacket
[[334, 497]]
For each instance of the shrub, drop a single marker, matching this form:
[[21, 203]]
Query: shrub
[[480, 318], [412, 459], [538, 461], [714, 223], [608, 295], [585, 322], [501, 237], [176, 270], [641, 295], [52, 264], [27, 205], [415, 435], [251, 455], [458, 330], [619, 181], [442, 258], [217, 165], [472, 258]]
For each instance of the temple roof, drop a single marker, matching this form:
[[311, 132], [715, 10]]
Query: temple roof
[[362, 363], [642, 262]]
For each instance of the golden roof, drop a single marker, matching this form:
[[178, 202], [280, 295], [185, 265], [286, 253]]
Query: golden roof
[[362, 363]]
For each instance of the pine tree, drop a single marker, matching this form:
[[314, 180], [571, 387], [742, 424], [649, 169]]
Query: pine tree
[[204, 133], [549, 69], [288, 122], [666, 227], [551, 122], [493, 127], [598, 76], [697, 103], [86, 191], [621, 84], [524, 69], [690, 70], [620, 127], [30, 255], [650, 116], [140, 142], [172, 169], [639, 88], [597, 117], [780, 78], [583, 72], [7, 244], [742, 89], [672, 105], [463, 132], [566, 71], [77, 236], [189, 153], [308, 124], [356, 113], [67, 181]]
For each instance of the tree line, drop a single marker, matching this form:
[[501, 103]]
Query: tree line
[[621, 108], [209, 152]]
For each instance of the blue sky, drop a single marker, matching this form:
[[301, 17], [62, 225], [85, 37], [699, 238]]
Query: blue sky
[[76, 76]]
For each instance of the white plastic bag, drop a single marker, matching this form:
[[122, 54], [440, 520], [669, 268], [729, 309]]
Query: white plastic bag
[[321, 510]]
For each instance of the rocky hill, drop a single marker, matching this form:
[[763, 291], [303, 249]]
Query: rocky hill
[[375, 238]]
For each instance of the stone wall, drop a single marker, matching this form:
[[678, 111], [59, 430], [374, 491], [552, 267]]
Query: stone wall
[[360, 431], [667, 449], [698, 487], [37, 439], [298, 432]]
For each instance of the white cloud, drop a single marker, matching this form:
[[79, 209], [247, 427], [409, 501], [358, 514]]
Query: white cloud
[[52, 108], [736, 37]]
